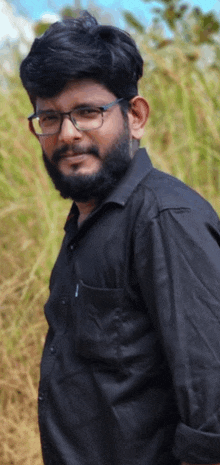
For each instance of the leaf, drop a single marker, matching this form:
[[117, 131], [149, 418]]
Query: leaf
[[133, 22], [41, 27], [210, 22], [68, 12], [164, 43]]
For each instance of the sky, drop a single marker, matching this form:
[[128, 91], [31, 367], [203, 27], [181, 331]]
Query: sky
[[139, 7], [18, 16]]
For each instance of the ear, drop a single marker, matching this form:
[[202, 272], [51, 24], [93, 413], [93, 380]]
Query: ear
[[137, 116]]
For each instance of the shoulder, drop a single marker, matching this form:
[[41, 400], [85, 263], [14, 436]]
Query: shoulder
[[161, 192]]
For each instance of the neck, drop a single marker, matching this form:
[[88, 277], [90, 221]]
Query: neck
[[85, 208], [134, 147]]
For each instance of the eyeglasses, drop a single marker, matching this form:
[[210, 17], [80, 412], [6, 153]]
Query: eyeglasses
[[47, 123]]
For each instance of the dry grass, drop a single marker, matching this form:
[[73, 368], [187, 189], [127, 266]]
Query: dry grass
[[182, 137], [32, 218]]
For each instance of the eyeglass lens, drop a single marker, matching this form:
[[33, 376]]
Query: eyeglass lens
[[83, 119]]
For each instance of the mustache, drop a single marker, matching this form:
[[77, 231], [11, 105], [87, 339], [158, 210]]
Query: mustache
[[74, 150]]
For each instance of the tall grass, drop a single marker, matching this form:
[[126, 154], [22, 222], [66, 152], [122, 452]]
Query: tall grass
[[182, 137], [32, 218]]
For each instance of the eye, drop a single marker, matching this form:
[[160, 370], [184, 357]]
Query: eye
[[45, 118], [87, 112]]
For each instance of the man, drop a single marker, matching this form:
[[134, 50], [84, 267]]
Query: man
[[130, 372]]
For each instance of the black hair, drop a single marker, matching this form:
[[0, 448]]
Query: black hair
[[78, 49]]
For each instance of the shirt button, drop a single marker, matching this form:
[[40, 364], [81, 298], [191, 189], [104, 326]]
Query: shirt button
[[63, 301], [71, 247], [52, 350], [41, 397]]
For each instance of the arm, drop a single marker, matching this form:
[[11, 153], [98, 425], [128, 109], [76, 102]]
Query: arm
[[180, 282]]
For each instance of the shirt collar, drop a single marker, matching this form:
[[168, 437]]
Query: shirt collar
[[140, 166]]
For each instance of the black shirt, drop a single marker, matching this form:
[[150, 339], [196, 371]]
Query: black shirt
[[130, 373]]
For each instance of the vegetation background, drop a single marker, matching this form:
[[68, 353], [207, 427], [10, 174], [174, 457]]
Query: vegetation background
[[181, 83]]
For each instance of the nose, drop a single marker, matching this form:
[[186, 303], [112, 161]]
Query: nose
[[68, 132]]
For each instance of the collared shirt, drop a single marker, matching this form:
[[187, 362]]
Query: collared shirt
[[130, 373]]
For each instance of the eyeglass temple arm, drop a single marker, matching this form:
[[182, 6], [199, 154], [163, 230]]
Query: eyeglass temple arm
[[109, 105]]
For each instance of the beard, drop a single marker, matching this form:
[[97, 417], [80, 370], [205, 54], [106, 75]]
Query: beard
[[82, 188]]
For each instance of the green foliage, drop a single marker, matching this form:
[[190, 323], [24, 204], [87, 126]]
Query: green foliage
[[192, 25], [68, 12], [171, 11], [205, 26], [133, 22], [40, 27]]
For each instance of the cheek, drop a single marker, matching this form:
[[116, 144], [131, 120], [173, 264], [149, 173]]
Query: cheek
[[48, 145], [109, 135]]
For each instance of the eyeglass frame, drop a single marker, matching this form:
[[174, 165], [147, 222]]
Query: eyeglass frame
[[102, 109]]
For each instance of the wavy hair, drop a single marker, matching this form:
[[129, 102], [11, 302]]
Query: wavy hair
[[81, 48]]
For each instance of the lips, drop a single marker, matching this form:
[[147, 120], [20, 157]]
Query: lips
[[76, 157], [73, 153], [71, 157]]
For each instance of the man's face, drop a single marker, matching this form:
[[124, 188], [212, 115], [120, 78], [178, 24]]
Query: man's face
[[86, 164]]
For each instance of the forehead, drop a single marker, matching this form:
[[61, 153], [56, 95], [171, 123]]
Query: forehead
[[85, 91]]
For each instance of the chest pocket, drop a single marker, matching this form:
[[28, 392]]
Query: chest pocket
[[98, 323]]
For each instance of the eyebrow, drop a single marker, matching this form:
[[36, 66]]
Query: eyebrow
[[77, 107], [87, 105]]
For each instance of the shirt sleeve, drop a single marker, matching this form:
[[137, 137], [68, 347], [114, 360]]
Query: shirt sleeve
[[178, 261]]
